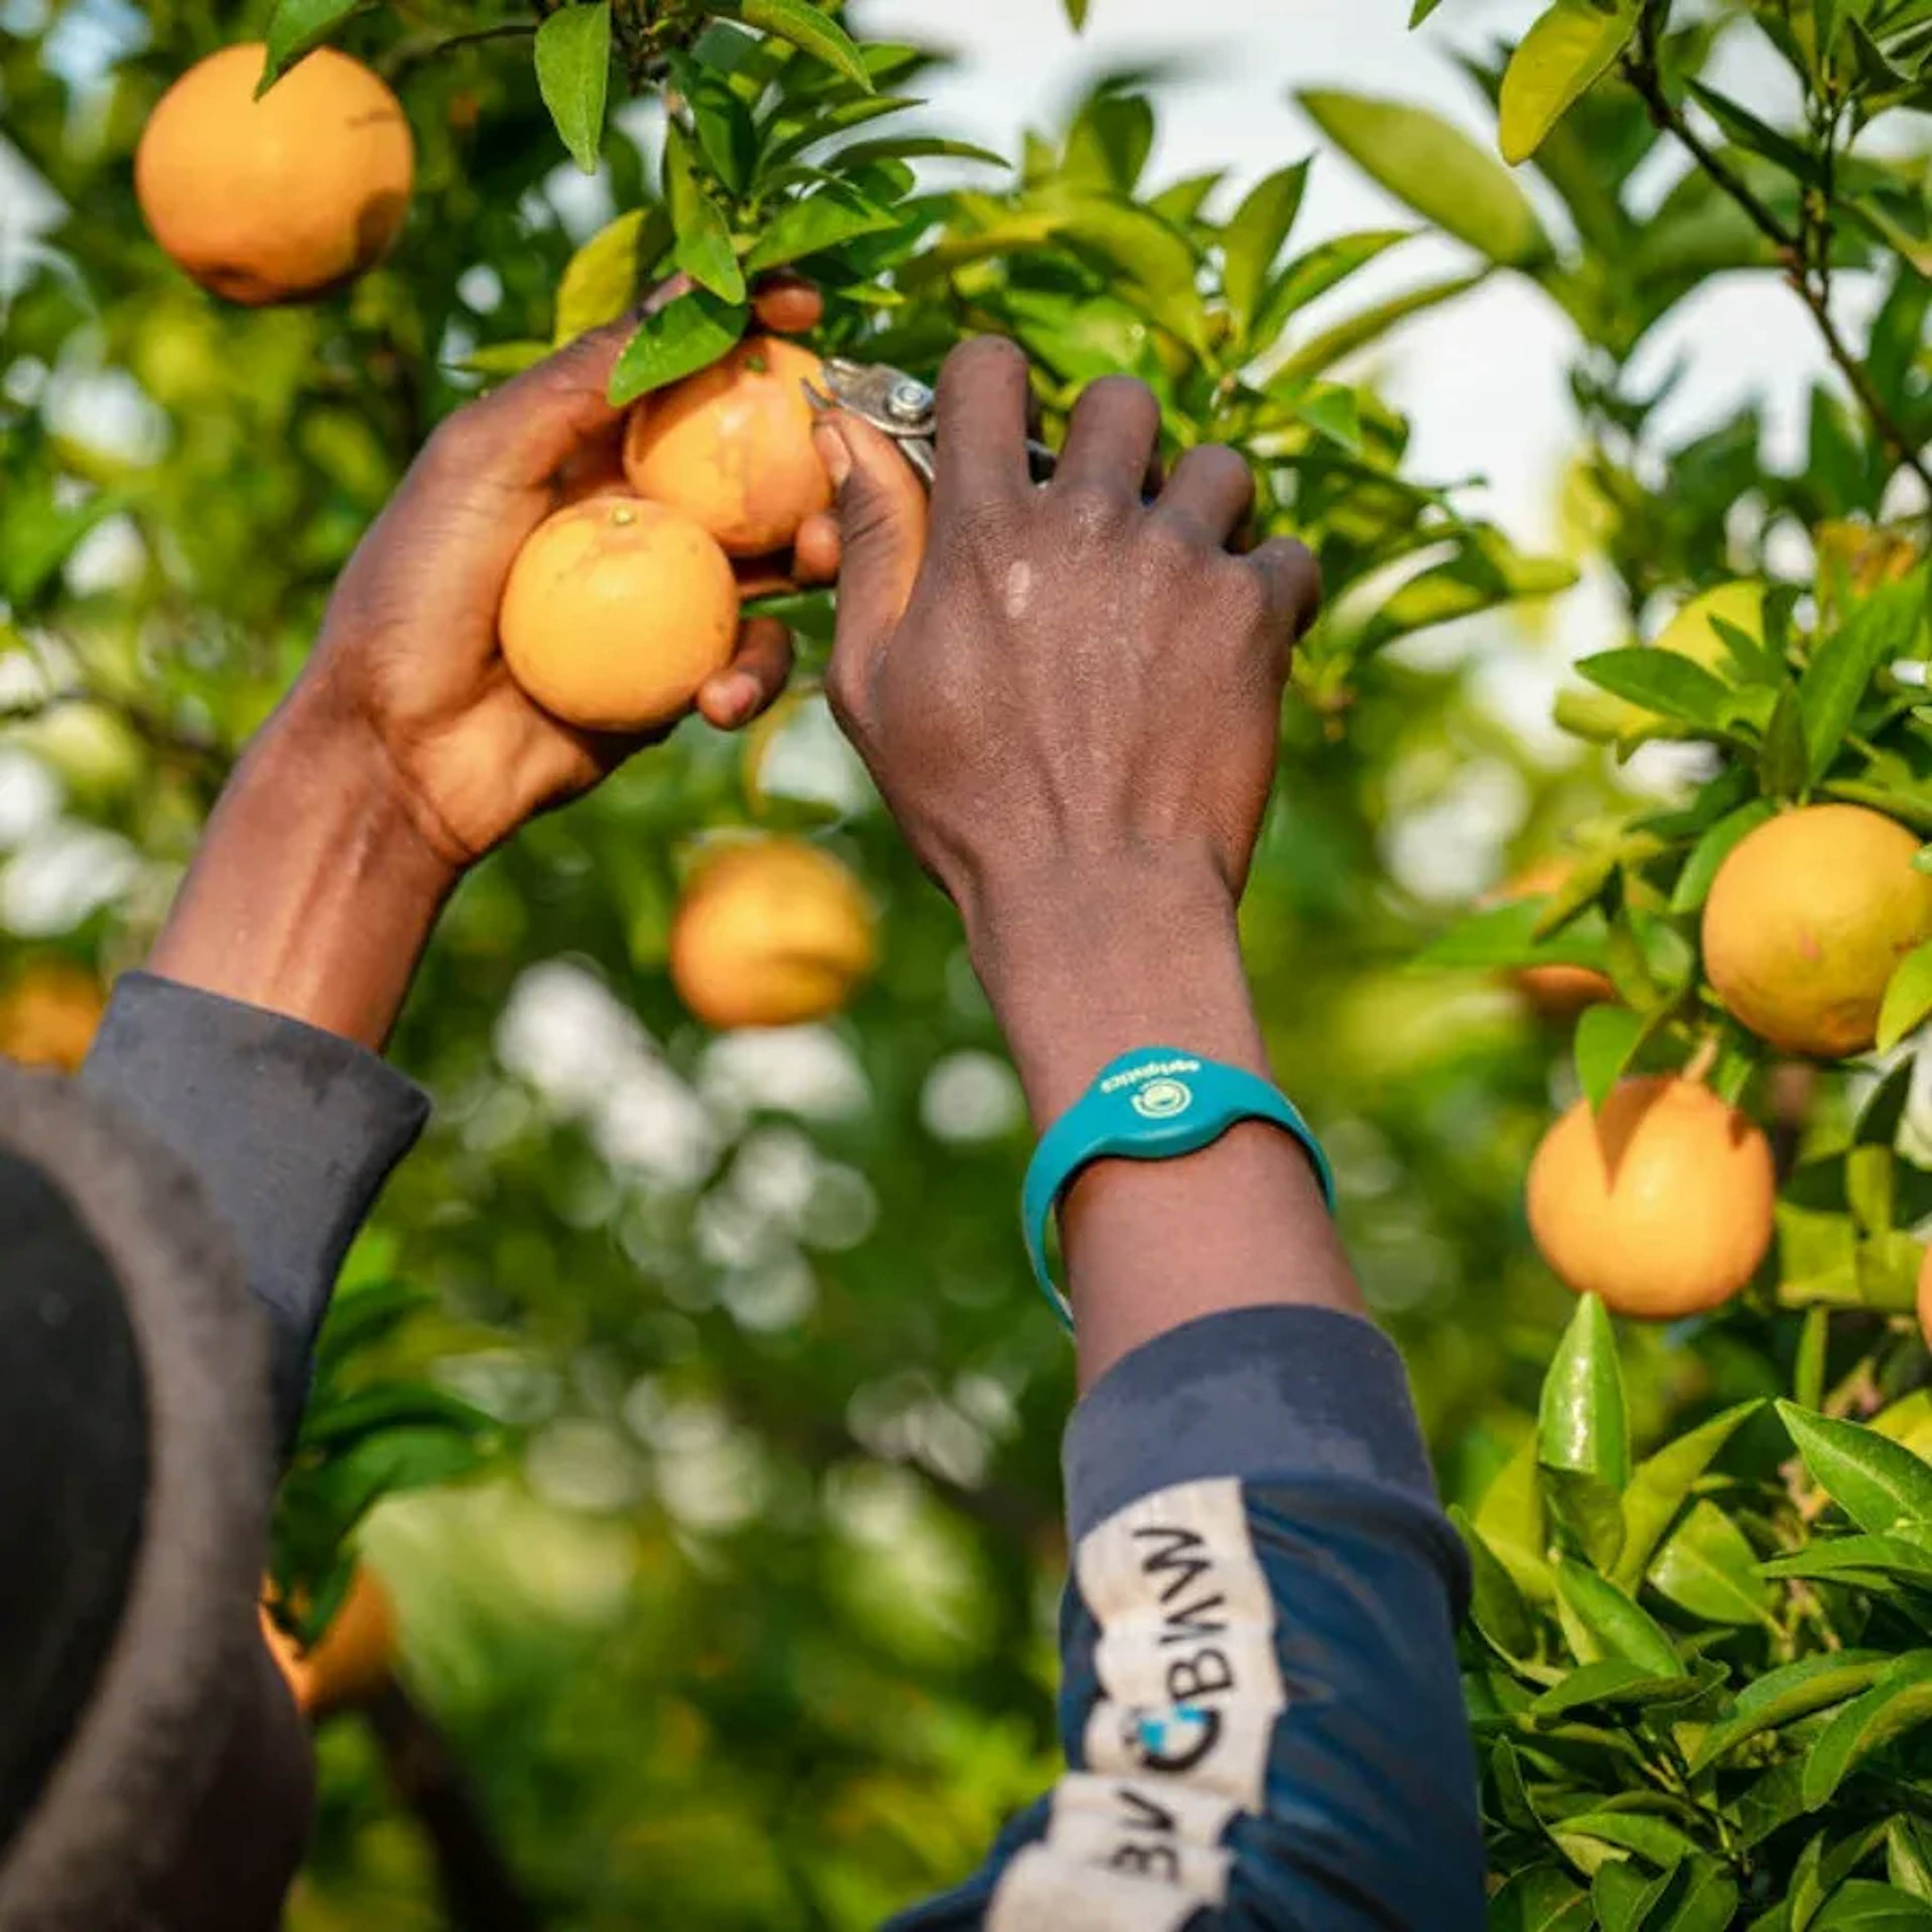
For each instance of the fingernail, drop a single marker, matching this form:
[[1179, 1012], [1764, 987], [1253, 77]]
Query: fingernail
[[738, 697], [833, 453]]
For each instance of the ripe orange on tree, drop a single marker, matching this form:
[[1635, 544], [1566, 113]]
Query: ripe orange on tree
[[1806, 918], [1661, 1202], [731, 446], [48, 1016], [770, 931], [282, 198], [354, 1657], [615, 611]]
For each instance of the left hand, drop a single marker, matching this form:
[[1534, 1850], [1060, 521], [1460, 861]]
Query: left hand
[[408, 652]]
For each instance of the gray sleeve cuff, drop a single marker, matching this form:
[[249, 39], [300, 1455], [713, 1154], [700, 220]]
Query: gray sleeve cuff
[[292, 1132], [1254, 1392]]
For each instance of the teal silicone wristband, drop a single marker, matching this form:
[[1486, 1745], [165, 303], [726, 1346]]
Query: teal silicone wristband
[[1152, 1104]]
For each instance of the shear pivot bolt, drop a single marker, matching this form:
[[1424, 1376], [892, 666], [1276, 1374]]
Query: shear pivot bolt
[[908, 401]]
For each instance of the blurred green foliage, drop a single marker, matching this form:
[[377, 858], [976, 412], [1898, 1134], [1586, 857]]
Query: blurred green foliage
[[715, 1412]]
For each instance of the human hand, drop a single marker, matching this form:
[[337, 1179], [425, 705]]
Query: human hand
[[1061, 685], [408, 654]]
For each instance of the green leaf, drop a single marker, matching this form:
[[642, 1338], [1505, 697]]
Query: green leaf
[[1369, 325], [684, 336], [1510, 1520], [1708, 1568], [1435, 169], [1610, 1680], [1541, 1898], [1868, 1562], [1745, 127], [1505, 936], [1607, 1038], [1865, 1905], [1881, 628], [836, 213], [1704, 1898], [1655, 1839], [603, 278], [1622, 1896], [1693, 883], [573, 63], [1583, 1433], [702, 247], [297, 27], [1253, 238], [1661, 1483], [1496, 1606], [1662, 682], [1560, 57], [1794, 1691], [1908, 1856], [1783, 761], [1313, 273], [817, 33], [1879, 1485], [1109, 142], [503, 359], [910, 148], [1156, 262], [1076, 13], [1899, 1702], [1616, 1620], [1908, 997]]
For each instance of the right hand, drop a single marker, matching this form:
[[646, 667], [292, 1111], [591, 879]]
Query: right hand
[[1060, 685]]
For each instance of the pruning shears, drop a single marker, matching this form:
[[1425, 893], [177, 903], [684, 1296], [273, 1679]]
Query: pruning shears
[[900, 407]]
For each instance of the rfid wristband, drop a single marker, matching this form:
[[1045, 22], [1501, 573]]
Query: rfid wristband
[[1153, 1104]]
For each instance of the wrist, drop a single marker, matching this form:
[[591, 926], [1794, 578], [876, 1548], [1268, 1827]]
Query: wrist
[[316, 886], [1086, 962]]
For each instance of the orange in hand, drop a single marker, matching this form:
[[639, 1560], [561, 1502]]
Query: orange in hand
[[616, 612], [731, 447], [276, 200]]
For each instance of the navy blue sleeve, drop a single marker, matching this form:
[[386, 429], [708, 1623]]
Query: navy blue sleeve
[[292, 1132], [1260, 1705]]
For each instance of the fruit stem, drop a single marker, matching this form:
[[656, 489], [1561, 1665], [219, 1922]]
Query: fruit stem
[[1698, 1066]]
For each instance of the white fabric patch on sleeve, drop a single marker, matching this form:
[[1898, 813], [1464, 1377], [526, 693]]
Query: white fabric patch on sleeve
[[1190, 1688], [1178, 1742], [1045, 1891]]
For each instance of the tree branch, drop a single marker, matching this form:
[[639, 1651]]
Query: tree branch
[[406, 54], [1813, 289]]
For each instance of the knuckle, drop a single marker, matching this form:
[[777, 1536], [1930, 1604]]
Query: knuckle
[[1088, 512]]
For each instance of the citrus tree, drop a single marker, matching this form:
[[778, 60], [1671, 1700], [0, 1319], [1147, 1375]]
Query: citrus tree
[[689, 1392], [1698, 1677]]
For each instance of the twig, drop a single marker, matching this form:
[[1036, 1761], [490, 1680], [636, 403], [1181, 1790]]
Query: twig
[[406, 54], [1813, 289]]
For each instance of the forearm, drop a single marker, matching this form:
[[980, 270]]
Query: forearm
[[1091, 962], [314, 892]]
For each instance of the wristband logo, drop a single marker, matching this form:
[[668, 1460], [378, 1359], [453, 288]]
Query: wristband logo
[[1161, 1099]]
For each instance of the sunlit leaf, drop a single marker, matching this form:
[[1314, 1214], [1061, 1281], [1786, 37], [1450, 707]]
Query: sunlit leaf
[[683, 336], [803, 24], [297, 27], [1879, 1485], [1566, 49], [1901, 1701], [573, 63]]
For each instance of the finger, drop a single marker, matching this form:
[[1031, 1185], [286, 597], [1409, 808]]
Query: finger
[[755, 676], [815, 549], [1111, 438], [521, 435], [1291, 580], [882, 523], [981, 424], [1212, 489]]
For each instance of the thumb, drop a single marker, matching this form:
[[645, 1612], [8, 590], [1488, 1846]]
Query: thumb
[[882, 517]]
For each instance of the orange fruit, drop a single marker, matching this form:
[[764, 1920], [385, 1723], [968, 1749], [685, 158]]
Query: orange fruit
[[731, 446], [615, 611], [1808, 917], [1661, 1203], [48, 1017], [789, 308], [770, 932], [1555, 993], [354, 1657], [282, 198], [1925, 1297]]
